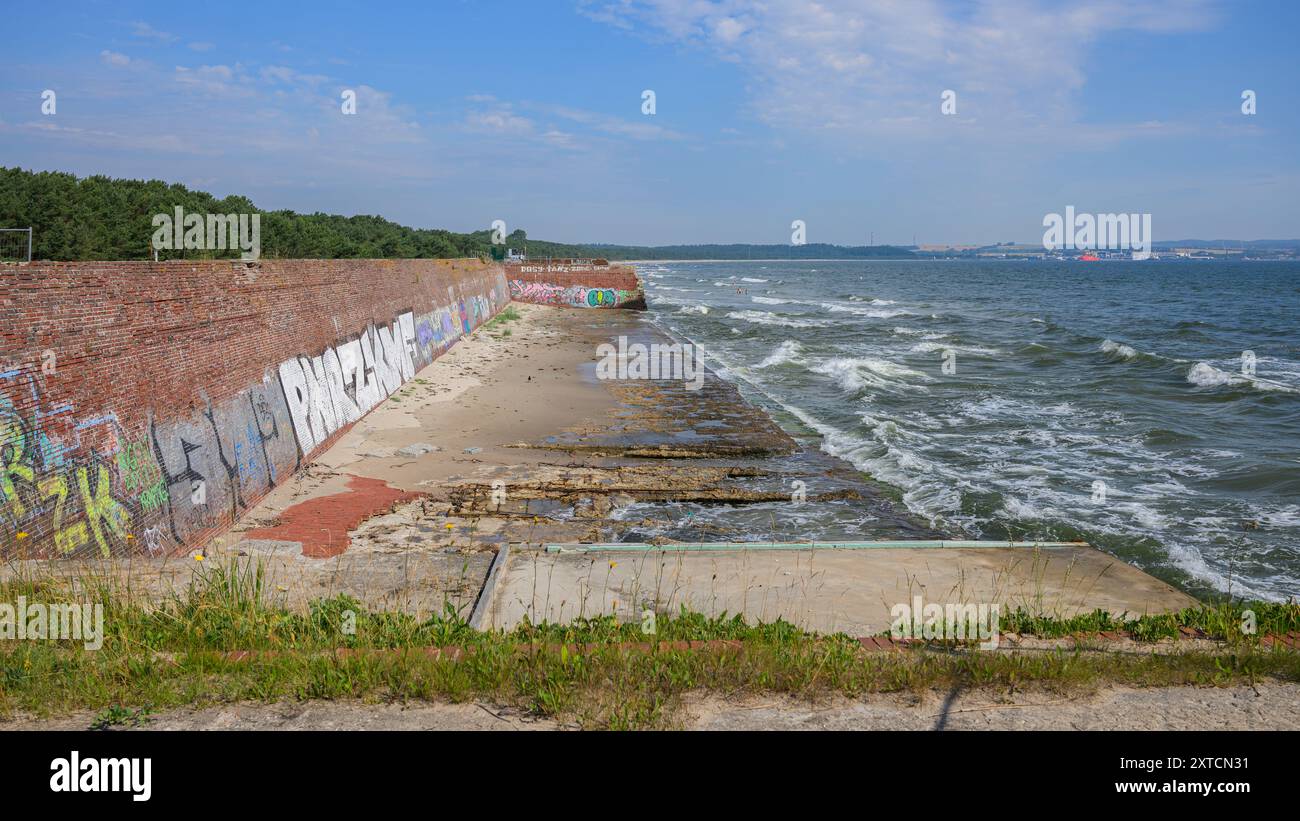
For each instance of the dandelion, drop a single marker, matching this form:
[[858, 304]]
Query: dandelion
[[22, 534], [198, 557]]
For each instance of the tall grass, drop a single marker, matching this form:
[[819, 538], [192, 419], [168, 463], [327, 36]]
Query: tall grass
[[176, 651]]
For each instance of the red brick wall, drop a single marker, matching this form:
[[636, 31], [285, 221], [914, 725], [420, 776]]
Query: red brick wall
[[143, 406], [617, 286]]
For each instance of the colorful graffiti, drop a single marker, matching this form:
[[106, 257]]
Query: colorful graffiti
[[74, 486], [575, 296], [46, 495]]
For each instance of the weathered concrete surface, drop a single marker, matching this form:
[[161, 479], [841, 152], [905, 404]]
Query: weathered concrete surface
[[1267, 705], [821, 590], [316, 715], [417, 582]]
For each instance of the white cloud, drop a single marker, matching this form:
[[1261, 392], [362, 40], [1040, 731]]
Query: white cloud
[[217, 81], [500, 120], [615, 126], [288, 76], [113, 58], [145, 31], [878, 68], [201, 46]]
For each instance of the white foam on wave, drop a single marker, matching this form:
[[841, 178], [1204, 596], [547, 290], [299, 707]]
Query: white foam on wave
[[1205, 375], [854, 373], [768, 300], [870, 300], [787, 351], [767, 318], [693, 309], [931, 347], [751, 279], [874, 313], [1118, 349]]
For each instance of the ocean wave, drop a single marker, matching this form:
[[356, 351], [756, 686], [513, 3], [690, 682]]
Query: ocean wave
[[693, 309], [874, 313], [931, 347], [787, 351], [1205, 375], [869, 300], [855, 373], [751, 279], [767, 318], [1118, 350], [767, 300]]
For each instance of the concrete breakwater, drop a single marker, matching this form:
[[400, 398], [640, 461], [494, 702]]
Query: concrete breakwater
[[146, 406]]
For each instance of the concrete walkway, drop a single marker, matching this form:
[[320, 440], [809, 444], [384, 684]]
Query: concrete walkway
[[825, 590]]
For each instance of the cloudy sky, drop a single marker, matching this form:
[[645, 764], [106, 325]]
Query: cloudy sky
[[766, 111]]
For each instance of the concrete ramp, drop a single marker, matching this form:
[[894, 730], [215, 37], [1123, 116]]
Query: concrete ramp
[[823, 589]]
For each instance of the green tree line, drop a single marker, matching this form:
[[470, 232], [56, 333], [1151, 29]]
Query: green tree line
[[100, 217]]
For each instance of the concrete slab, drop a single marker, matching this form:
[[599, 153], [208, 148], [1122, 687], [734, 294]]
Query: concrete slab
[[822, 590]]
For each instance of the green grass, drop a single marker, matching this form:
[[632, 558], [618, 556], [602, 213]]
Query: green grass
[[510, 314], [1222, 621], [174, 653], [119, 716]]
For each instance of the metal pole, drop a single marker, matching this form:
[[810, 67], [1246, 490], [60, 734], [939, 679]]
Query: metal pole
[[29, 243]]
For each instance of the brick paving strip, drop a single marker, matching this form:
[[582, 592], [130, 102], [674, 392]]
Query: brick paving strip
[[868, 644]]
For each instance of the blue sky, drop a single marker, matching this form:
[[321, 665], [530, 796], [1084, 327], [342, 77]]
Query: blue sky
[[766, 111]]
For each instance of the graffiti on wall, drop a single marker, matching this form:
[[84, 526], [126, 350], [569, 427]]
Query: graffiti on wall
[[52, 489], [81, 485], [84, 487], [574, 296]]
